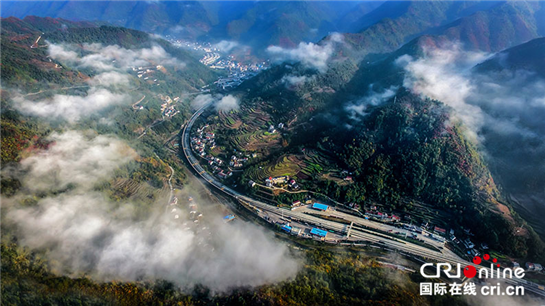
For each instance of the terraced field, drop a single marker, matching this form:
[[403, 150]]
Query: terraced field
[[230, 120], [315, 162], [427, 212], [251, 125], [285, 165], [250, 135], [256, 118], [300, 166], [129, 189]]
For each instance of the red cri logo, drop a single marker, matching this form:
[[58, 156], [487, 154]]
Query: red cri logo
[[471, 271]]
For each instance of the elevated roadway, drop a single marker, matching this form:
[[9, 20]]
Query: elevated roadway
[[390, 243]]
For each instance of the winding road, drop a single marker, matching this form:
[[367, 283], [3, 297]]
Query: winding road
[[442, 256]]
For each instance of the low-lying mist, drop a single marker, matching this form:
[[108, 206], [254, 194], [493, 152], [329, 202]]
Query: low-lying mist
[[221, 103], [504, 112], [311, 55], [60, 211]]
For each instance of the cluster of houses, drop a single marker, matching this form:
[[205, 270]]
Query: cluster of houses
[[167, 109], [467, 243], [354, 206], [238, 68], [229, 82], [222, 174], [237, 162], [532, 266], [210, 58], [434, 232], [214, 57], [215, 163], [193, 213], [376, 214], [146, 73], [201, 140], [238, 72], [282, 181], [175, 210]]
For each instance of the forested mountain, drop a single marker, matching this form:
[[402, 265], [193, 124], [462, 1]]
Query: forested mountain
[[349, 279], [517, 152], [48, 81], [435, 13], [57, 59], [487, 26], [258, 24], [356, 67], [20, 48], [376, 26], [527, 56], [428, 110], [361, 55], [405, 20], [391, 138]]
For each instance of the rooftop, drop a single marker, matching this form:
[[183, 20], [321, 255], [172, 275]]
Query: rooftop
[[320, 206], [319, 232]]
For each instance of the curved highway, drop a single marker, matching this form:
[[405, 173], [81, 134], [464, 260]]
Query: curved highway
[[388, 243]]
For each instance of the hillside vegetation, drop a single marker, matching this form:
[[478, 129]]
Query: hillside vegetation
[[327, 279]]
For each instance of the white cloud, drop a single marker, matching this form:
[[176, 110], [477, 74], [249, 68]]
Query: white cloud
[[71, 108], [221, 103], [503, 110], [75, 158], [87, 233], [294, 80], [358, 109], [109, 79], [226, 45], [309, 54], [489, 101], [62, 53], [443, 74], [336, 37], [111, 62], [202, 100], [157, 54], [228, 103], [112, 57]]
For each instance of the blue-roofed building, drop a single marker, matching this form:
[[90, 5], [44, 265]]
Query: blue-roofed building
[[287, 228], [318, 232], [228, 218], [319, 206]]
